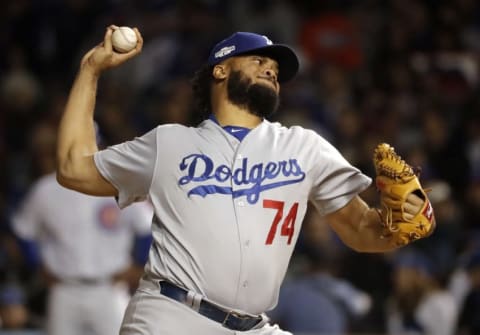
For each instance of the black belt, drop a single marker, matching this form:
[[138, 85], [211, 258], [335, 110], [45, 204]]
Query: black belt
[[228, 319]]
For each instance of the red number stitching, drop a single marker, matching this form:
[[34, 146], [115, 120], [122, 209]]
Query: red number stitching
[[288, 226], [289, 223], [278, 205]]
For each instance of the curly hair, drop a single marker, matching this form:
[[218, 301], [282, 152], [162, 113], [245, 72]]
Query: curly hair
[[201, 86]]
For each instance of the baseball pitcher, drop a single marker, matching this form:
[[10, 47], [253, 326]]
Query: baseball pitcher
[[229, 195]]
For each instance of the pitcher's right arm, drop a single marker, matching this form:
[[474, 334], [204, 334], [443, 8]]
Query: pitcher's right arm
[[76, 145]]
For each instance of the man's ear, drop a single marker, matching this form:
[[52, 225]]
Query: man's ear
[[219, 71]]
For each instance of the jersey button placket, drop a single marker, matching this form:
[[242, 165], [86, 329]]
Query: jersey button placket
[[241, 205]]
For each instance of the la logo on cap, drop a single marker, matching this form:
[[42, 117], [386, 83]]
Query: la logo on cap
[[269, 42]]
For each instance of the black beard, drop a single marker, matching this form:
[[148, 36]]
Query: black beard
[[258, 99]]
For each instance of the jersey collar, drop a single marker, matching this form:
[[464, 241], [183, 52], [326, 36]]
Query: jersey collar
[[238, 132]]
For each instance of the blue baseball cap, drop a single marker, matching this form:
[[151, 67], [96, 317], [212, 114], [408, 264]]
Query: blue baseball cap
[[243, 43]]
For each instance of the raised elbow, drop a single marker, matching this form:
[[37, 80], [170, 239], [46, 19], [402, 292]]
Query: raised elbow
[[64, 178], [83, 177], [70, 173]]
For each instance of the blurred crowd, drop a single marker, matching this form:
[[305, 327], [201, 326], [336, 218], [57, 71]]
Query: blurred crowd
[[405, 72]]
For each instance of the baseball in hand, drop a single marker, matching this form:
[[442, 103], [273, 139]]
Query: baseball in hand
[[124, 39]]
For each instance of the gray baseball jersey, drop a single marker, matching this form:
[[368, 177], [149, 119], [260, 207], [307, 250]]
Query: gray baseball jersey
[[228, 212], [80, 236]]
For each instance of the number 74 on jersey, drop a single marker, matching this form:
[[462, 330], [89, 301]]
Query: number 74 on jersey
[[287, 225]]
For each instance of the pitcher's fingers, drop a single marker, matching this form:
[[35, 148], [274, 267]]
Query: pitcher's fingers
[[132, 53], [108, 39], [414, 199], [412, 209], [139, 45]]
